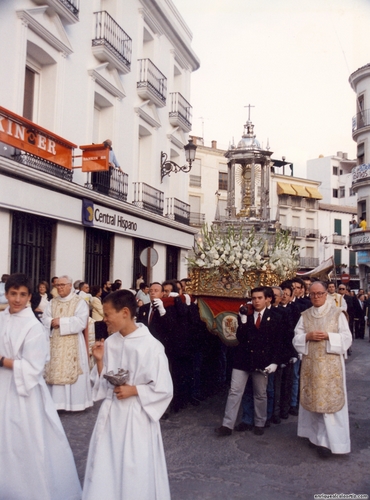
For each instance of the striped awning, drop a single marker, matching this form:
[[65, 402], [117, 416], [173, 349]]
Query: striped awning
[[314, 193], [300, 191], [284, 188]]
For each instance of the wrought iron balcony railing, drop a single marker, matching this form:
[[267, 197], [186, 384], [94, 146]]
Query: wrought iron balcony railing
[[152, 84], [180, 112], [197, 219], [299, 232], [68, 9], [312, 233], [339, 239], [111, 43], [42, 165], [361, 173], [361, 120], [113, 183], [178, 210], [148, 197], [309, 262]]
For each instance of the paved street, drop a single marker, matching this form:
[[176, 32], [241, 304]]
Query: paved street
[[275, 466]]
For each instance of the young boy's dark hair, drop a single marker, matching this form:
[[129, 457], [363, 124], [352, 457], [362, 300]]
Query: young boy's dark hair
[[17, 280], [121, 299]]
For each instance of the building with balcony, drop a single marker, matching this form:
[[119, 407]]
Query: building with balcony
[[336, 210], [75, 74], [360, 240]]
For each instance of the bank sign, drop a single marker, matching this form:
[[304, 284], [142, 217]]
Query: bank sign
[[102, 217]]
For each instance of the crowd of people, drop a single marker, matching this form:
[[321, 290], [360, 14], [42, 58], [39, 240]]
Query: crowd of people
[[292, 339]]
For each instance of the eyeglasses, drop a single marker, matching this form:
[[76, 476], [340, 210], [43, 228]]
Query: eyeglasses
[[341, 288], [317, 294], [62, 285]]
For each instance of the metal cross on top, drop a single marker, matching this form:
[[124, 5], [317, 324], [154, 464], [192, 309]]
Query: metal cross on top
[[249, 111]]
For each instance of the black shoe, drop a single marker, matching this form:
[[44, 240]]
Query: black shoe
[[293, 410], [243, 427], [284, 416], [323, 452], [268, 423], [258, 431], [276, 420], [223, 431]]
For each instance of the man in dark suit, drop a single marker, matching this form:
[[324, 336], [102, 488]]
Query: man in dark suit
[[256, 356], [153, 315], [359, 316]]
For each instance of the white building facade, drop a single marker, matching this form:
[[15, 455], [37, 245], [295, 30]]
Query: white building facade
[[337, 209], [84, 72], [360, 240]]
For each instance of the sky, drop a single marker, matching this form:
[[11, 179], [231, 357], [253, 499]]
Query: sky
[[290, 59]]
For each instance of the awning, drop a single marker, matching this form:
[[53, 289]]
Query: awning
[[284, 188], [300, 191], [314, 193]]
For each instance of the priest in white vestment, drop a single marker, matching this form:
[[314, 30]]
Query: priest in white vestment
[[36, 461], [68, 373], [126, 457], [322, 337]]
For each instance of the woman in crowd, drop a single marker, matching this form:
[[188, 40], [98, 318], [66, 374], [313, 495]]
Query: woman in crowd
[[95, 303], [40, 298]]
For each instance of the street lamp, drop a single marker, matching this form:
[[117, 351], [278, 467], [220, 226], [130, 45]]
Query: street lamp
[[168, 166]]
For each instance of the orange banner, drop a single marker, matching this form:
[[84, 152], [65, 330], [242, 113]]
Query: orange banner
[[95, 158], [25, 135]]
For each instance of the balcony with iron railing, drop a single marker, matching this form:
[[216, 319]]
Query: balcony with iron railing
[[197, 219], [360, 240], [148, 197], [309, 262], [312, 233], [67, 9], [178, 210], [298, 232], [152, 84], [111, 43], [113, 183], [361, 173], [180, 112], [360, 121], [40, 164], [339, 239]]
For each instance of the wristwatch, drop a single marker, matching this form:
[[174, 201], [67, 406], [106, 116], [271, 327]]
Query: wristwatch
[[2, 361]]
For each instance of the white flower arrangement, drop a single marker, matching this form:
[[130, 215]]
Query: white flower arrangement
[[245, 253]]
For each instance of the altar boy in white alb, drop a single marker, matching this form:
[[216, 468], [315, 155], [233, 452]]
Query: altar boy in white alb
[[36, 461], [126, 458], [323, 337]]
